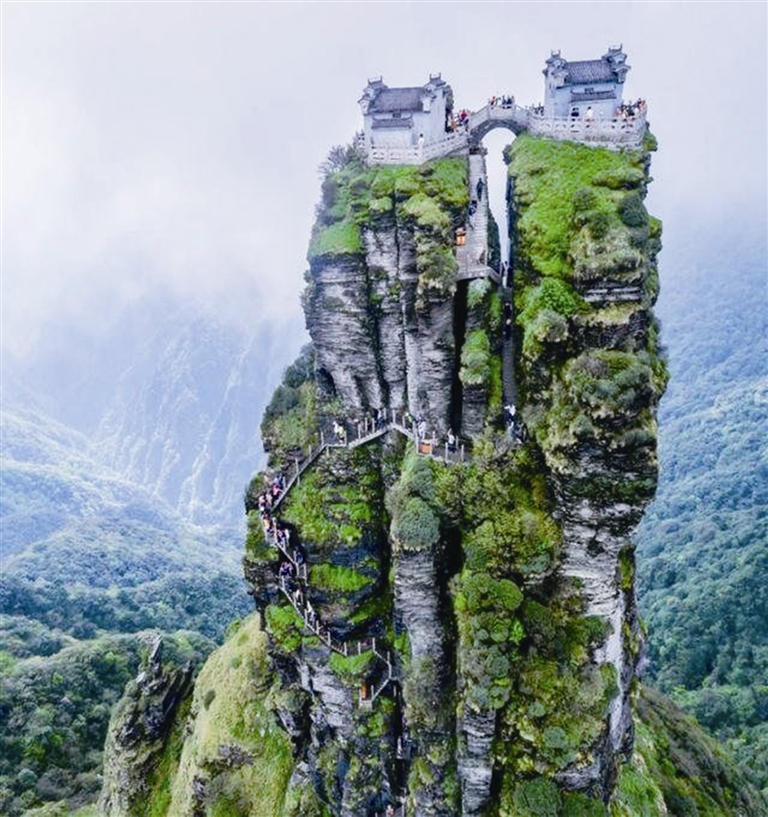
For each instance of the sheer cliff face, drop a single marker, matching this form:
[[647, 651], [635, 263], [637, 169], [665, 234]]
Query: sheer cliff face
[[455, 634], [379, 302], [502, 585]]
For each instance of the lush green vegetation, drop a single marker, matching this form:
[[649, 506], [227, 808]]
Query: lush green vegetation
[[568, 189], [523, 652], [234, 742], [429, 201], [701, 547], [581, 217], [678, 767], [89, 563], [54, 713], [411, 504], [290, 421], [476, 359]]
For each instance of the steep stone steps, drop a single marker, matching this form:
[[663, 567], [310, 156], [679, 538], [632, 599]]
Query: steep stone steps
[[426, 447], [366, 431], [473, 255]]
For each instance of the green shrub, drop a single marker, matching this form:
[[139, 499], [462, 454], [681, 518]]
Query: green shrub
[[599, 224], [417, 527], [584, 199], [484, 592], [576, 804], [632, 210], [208, 698], [418, 478], [548, 327], [537, 798], [427, 213], [476, 291], [475, 359], [436, 263]]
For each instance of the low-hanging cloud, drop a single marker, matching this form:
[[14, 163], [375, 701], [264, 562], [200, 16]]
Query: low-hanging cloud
[[173, 147]]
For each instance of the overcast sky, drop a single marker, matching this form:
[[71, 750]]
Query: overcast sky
[[172, 147]]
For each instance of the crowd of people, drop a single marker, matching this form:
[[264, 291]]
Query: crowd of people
[[503, 101], [289, 571], [629, 110], [273, 529], [458, 121]]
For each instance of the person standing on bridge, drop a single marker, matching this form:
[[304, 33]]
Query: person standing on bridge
[[479, 189]]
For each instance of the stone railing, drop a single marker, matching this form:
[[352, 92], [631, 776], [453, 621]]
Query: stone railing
[[611, 133], [451, 143]]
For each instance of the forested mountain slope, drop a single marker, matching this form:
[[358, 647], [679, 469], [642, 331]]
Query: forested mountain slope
[[702, 545], [90, 563]]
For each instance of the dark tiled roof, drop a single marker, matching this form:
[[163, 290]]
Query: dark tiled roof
[[398, 99], [589, 71]]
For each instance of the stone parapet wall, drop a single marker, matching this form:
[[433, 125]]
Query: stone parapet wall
[[610, 133], [452, 144]]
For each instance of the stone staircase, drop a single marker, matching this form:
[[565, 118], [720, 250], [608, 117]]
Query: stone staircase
[[364, 432], [296, 587], [473, 254]]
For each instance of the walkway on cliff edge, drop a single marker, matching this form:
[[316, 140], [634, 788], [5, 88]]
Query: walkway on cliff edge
[[296, 587]]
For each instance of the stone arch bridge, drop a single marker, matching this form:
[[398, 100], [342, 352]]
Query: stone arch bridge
[[482, 122]]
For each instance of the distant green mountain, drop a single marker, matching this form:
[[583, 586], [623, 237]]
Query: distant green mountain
[[85, 551], [703, 552], [90, 564]]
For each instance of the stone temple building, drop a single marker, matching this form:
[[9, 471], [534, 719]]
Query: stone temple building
[[591, 88], [405, 117], [583, 102]]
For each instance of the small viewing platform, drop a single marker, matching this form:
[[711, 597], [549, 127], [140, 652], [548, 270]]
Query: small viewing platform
[[613, 133]]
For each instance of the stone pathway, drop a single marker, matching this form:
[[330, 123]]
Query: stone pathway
[[473, 255], [296, 587], [364, 432]]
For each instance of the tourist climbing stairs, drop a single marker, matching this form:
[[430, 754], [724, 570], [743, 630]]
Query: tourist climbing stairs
[[294, 581], [363, 432]]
